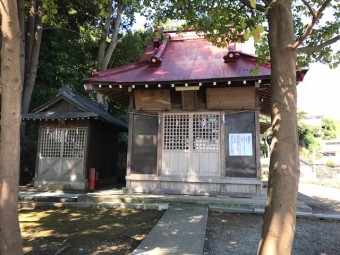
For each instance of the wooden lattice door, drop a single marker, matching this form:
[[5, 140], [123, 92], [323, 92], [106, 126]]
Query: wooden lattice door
[[191, 144], [62, 153]]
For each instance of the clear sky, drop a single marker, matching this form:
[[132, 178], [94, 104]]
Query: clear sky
[[319, 93]]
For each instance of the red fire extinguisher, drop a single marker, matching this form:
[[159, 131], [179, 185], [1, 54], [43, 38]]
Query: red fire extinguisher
[[92, 179]]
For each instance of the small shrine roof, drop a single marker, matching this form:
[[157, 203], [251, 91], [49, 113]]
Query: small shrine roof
[[83, 108]]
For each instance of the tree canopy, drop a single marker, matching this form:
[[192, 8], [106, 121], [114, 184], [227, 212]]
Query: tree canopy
[[316, 24]]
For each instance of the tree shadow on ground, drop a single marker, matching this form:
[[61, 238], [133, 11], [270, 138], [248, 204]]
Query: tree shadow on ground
[[85, 230], [230, 234], [320, 204]]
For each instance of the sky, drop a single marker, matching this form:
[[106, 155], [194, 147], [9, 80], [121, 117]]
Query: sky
[[319, 93]]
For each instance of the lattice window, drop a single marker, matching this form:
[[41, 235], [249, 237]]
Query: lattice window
[[176, 132], [191, 131], [74, 143], [67, 143], [51, 141], [206, 131]]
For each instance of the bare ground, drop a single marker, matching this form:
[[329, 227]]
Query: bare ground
[[240, 233], [92, 231]]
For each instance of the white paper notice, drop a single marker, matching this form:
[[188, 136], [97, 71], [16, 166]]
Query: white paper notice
[[240, 144]]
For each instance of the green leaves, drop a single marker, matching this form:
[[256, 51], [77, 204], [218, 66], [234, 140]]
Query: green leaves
[[253, 4], [256, 32], [243, 24], [72, 11], [50, 10]]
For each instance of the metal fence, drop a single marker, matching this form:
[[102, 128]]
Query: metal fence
[[325, 175], [316, 174]]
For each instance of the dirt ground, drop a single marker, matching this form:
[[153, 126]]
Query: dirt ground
[[239, 234], [91, 231], [94, 231]]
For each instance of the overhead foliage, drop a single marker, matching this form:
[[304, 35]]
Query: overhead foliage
[[237, 21], [131, 48], [46, 19]]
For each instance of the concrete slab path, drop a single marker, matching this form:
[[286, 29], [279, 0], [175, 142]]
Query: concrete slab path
[[181, 230]]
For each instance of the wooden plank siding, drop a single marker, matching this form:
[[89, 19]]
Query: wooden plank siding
[[231, 98], [152, 100], [189, 100]]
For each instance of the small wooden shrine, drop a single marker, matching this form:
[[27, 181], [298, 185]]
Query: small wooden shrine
[[75, 134], [194, 116]]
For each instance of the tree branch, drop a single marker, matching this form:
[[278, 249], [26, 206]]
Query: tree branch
[[104, 34], [114, 36], [309, 8], [267, 3], [258, 6], [320, 46], [315, 18], [60, 28]]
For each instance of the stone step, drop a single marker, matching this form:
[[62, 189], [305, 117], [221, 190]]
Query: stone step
[[256, 204], [48, 198]]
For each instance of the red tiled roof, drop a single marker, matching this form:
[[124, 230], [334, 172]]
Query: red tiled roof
[[183, 61]]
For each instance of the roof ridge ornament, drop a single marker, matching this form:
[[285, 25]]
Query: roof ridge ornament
[[160, 45], [232, 56], [65, 88]]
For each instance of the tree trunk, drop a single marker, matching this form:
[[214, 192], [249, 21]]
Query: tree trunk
[[104, 35], [32, 54], [105, 53], [11, 243], [114, 39], [280, 214], [21, 14]]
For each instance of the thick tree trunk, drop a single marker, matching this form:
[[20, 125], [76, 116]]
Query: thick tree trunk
[[30, 28], [279, 220], [32, 54], [11, 243], [21, 14]]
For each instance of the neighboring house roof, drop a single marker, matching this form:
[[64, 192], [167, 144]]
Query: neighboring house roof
[[82, 107], [331, 146], [313, 120], [183, 60]]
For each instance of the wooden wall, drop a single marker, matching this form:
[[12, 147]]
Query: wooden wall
[[230, 98], [147, 106], [144, 143], [152, 100]]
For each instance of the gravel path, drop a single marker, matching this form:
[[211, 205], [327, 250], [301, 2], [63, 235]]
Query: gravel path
[[239, 234]]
